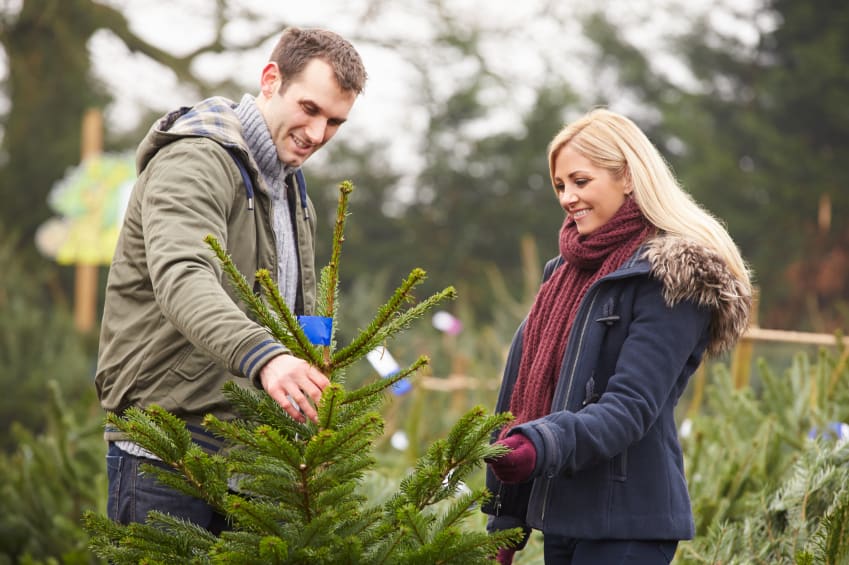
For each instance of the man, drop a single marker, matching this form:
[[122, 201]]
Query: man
[[173, 331]]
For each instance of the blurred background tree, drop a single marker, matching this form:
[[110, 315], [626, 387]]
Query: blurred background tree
[[748, 104], [758, 134], [49, 85]]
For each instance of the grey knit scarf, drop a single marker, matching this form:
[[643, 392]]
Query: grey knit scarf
[[258, 138]]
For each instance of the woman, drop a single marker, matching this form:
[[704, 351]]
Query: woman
[[646, 283]]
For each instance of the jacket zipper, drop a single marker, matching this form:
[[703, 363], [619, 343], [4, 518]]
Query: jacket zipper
[[569, 389], [293, 190]]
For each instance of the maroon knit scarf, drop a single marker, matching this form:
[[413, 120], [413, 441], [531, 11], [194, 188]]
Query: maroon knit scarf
[[586, 259]]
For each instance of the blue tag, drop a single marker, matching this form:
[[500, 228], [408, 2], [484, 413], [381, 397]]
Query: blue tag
[[317, 328], [402, 387]]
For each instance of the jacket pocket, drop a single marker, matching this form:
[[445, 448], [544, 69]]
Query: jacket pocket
[[192, 363]]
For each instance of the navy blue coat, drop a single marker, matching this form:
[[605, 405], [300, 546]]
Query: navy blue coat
[[609, 464]]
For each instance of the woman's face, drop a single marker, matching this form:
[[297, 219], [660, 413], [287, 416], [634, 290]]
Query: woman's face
[[589, 194]]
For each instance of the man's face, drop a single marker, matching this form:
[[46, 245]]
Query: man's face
[[303, 117]]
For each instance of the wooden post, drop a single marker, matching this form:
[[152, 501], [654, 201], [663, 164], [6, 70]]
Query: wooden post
[[699, 379], [85, 283], [741, 361], [824, 213]]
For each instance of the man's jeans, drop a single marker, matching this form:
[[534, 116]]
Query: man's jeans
[[132, 494]]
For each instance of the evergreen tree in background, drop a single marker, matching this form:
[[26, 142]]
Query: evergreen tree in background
[[295, 497], [758, 136], [768, 465], [48, 481]]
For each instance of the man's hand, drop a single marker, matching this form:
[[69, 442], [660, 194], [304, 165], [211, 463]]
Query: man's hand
[[295, 385]]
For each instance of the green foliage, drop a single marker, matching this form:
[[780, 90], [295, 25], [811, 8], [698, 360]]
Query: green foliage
[[47, 483], [768, 480], [500, 180], [49, 88], [291, 490], [38, 344], [51, 448]]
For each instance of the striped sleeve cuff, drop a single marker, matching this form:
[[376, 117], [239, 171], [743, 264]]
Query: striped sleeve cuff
[[256, 358]]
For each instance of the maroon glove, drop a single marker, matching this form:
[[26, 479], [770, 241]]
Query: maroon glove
[[517, 465], [505, 556]]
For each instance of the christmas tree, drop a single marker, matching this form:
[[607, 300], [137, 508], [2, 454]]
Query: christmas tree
[[768, 465], [290, 489]]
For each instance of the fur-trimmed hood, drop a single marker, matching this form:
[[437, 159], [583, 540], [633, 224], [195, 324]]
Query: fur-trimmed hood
[[689, 271]]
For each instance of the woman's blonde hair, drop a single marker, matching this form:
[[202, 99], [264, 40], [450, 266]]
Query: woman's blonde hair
[[615, 143]]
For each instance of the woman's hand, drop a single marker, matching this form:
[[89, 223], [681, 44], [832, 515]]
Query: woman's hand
[[517, 465]]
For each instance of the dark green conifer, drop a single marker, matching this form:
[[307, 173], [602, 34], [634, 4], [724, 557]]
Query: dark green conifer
[[296, 497]]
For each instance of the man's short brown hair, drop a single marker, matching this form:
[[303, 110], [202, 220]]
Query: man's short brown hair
[[297, 47]]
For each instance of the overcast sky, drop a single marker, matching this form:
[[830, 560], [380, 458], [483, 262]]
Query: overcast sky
[[524, 51]]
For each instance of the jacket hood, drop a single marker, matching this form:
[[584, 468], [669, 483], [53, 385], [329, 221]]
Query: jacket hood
[[689, 271], [213, 118]]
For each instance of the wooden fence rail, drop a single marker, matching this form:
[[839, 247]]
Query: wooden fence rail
[[741, 361], [741, 364]]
